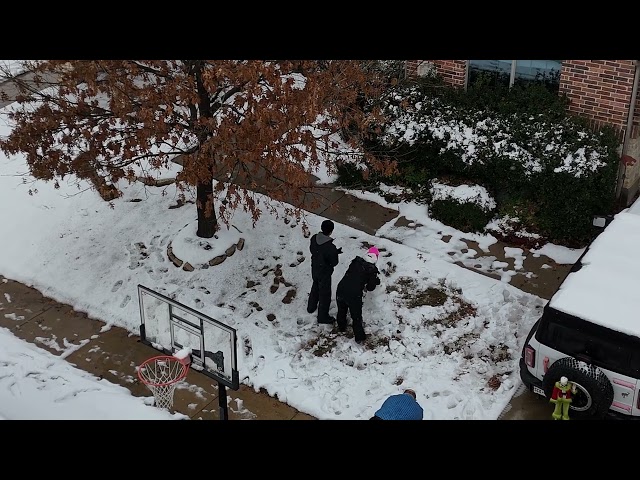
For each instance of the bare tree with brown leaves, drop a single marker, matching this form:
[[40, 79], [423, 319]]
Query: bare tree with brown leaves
[[236, 127]]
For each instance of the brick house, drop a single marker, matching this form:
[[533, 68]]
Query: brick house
[[603, 91]]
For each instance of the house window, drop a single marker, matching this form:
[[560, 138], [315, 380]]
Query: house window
[[509, 72]]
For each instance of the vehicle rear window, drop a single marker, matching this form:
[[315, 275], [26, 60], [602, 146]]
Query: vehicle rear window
[[575, 337]]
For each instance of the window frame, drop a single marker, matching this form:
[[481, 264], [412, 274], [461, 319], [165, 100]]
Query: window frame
[[512, 75]]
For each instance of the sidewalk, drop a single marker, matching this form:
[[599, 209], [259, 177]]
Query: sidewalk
[[113, 353]]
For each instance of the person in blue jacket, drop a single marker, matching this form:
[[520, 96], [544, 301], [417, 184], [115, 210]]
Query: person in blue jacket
[[402, 406]]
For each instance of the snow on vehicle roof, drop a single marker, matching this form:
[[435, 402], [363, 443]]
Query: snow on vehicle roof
[[605, 291], [635, 207]]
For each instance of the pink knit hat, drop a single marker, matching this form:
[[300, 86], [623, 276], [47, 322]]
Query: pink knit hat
[[372, 255]]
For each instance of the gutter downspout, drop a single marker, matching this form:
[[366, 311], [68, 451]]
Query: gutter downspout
[[512, 77], [622, 170]]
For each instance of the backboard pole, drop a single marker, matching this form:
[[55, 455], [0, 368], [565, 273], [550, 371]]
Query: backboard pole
[[222, 401]]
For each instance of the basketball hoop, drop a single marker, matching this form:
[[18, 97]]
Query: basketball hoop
[[162, 374]]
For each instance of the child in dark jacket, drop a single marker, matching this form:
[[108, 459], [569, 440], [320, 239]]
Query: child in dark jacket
[[361, 275], [324, 258]]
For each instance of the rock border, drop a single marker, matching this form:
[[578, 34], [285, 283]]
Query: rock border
[[217, 260]]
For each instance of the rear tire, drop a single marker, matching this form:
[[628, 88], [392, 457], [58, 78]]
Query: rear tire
[[594, 391]]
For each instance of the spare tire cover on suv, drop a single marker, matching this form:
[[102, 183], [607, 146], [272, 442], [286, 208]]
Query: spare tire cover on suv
[[594, 391]]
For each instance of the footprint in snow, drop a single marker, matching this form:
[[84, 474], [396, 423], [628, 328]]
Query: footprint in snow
[[125, 301]]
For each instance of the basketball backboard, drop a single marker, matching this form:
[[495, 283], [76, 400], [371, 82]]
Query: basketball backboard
[[169, 326]]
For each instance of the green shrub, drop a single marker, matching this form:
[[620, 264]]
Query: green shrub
[[350, 175], [515, 223], [467, 207], [414, 180], [531, 98], [569, 195], [466, 217], [521, 143], [567, 206], [525, 211]]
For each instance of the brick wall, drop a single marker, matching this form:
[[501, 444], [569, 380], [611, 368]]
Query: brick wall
[[452, 71], [600, 90]]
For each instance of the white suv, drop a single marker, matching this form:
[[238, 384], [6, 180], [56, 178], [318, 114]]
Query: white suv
[[589, 331]]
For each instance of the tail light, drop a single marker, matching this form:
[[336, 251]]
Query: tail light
[[530, 356]]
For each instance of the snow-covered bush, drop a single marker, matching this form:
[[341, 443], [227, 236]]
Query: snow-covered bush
[[465, 207], [525, 147]]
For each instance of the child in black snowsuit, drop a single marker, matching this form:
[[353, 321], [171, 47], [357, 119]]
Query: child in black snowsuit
[[362, 274]]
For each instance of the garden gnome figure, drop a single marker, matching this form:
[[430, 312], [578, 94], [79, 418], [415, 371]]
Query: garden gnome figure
[[561, 396]]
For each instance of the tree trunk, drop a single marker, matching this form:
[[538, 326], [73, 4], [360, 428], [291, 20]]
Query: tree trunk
[[207, 225]]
